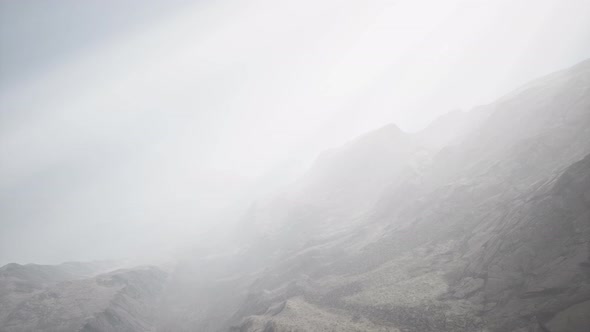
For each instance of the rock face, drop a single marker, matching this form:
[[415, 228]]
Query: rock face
[[489, 232], [53, 298], [536, 263]]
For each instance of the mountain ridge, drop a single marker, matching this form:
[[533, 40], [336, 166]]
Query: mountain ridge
[[480, 222]]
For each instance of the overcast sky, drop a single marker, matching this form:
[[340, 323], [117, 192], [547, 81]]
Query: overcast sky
[[125, 123]]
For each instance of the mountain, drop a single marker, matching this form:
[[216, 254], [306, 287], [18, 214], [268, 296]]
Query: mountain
[[451, 128], [455, 244], [78, 297], [19, 282], [480, 222]]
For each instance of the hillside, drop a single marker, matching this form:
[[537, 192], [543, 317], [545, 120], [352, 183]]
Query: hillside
[[481, 222]]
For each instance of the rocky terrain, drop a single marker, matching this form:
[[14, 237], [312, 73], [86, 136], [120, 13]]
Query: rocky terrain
[[481, 222], [488, 233], [78, 297]]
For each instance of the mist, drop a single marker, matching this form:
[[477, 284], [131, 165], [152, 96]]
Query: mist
[[295, 166], [124, 128]]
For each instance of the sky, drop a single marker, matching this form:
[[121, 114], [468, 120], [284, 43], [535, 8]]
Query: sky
[[127, 127]]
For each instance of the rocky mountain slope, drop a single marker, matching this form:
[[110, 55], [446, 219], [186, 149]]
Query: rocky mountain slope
[[487, 233], [78, 297], [481, 222]]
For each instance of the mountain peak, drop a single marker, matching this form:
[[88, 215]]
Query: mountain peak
[[385, 133], [390, 128]]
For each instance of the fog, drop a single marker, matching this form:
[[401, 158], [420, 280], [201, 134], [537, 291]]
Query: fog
[[138, 129]]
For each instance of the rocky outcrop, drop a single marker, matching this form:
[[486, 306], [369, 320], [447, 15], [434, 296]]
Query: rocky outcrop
[[535, 264], [122, 300], [19, 282]]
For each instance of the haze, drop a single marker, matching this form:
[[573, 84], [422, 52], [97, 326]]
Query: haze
[[135, 128]]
